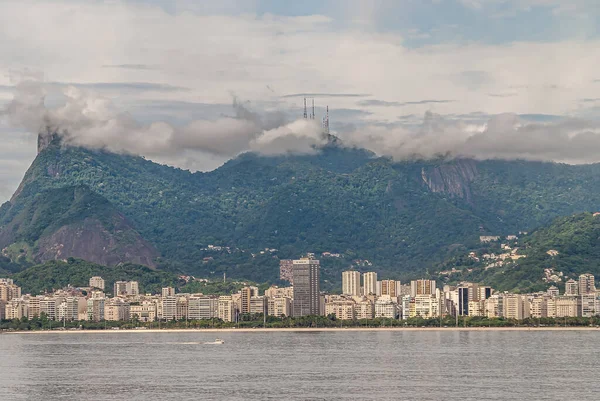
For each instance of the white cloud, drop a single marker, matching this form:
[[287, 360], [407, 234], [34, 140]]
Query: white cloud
[[203, 59]]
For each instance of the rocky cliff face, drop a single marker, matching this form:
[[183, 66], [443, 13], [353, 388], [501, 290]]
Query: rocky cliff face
[[452, 178], [91, 241]]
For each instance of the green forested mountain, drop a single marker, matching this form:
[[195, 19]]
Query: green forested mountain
[[70, 221], [404, 217]]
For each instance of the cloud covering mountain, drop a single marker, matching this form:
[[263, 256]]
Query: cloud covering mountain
[[505, 79]]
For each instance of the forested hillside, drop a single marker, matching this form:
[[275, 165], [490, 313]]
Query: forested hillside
[[404, 217]]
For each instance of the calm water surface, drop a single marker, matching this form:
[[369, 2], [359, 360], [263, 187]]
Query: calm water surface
[[377, 365]]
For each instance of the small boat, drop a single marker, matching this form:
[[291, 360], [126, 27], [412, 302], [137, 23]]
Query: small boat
[[217, 341]]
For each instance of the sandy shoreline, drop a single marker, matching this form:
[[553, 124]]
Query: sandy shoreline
[[311, 329]]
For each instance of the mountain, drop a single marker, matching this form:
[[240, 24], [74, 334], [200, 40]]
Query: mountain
[[70, 221], [405, 217], [565, 248]]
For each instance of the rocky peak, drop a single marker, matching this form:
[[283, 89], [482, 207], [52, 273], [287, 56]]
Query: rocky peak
[[452, 178], [46, 138]]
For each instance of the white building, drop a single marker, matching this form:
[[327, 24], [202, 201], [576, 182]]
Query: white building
[[370, 283], [226, 308], [203, 307], [351, 283], [386, 308]]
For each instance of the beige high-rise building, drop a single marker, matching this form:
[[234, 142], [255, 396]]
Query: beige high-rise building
[[116, 310], [280, 307], [386, 308], [48, 307], [425, 306], [279, 292], [571, 288], [342, 309], [16, 308], [246, 295], [351, 283], [422, 287], [145, 311], [68, 309], [587, 304], [202, 307], [551, 306], [515, 306], [370, 283], [97, 282], [567, 306], [539, 307], [226, 308], [169, 307], [493, 307], [95, 309], [365, 309], [553, 291], [168, 292], [132, 288], [587, 284], [477, 308], [8, 290], [390, 288], [181, 309], [258, 305], [33, 307]]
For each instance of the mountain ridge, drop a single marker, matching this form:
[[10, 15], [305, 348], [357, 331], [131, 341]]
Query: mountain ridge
[[405, 217]]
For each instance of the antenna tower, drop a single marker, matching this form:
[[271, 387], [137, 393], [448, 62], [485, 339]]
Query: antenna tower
[[305, 113], [313, 109], [326, 122]]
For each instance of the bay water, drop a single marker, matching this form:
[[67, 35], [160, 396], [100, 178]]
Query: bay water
[[320, 365]]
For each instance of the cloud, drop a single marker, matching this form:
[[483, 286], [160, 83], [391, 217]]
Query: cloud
[[123, 86], [130, 66], [326, 95], [383, 103], [502, 94], [166, 75], [504, 136], [473, 80], [89, 120]]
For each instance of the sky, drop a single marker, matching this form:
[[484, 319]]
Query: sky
[[194, 83]]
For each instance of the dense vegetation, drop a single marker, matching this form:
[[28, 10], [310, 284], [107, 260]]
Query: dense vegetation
[[42, 323], [406, 218], [576, 238], [58, 274]]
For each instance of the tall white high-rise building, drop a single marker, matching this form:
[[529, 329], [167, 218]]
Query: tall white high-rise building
[[369, 283], [351, 283]]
